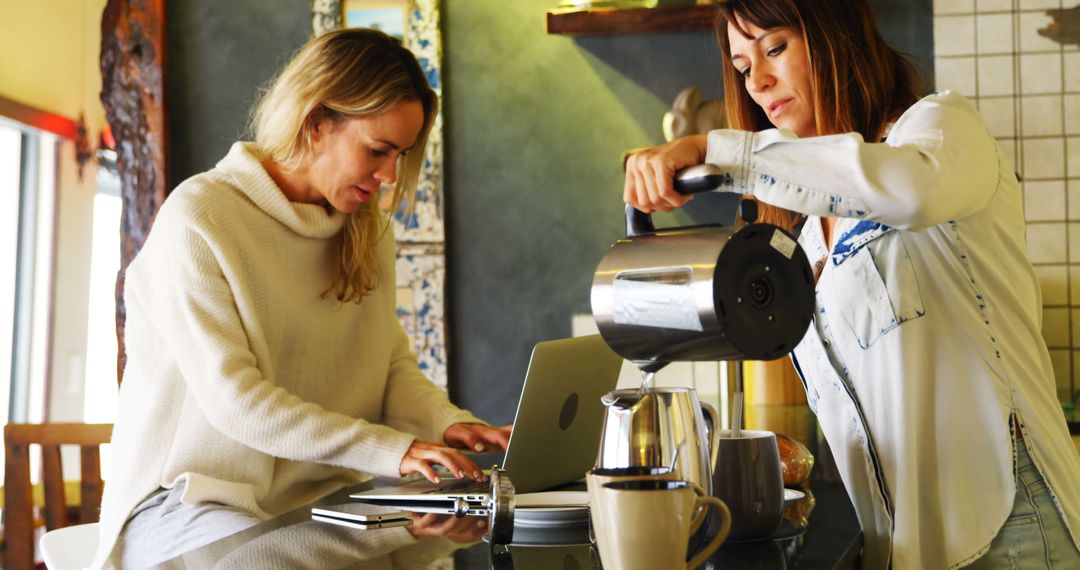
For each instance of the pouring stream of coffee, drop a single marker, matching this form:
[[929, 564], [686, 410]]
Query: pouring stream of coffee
[[648, 369], [646, 383]]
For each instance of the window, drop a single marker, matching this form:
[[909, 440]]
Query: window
[[10, 157], [101, 346], [27, 235]]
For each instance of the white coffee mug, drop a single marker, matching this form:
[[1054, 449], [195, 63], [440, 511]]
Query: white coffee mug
[[645, 524]]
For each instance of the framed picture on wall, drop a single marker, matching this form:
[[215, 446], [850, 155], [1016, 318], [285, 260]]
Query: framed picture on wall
[[389, 16]]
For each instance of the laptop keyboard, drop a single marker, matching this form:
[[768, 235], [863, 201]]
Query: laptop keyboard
[[460, 486]]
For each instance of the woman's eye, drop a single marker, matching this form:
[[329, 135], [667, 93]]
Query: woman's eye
[[777, 50], [744, 72], [378, 153]]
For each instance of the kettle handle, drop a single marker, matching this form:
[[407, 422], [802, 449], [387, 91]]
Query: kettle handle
[[691, 180], [713, 419]]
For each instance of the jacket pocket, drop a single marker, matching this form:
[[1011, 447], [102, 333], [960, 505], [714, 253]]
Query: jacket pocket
[[875, 281]]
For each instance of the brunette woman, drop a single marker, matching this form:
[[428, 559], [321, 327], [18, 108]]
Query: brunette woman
[[925, 363]]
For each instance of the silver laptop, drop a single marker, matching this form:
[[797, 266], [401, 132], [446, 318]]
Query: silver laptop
[[556, 429]]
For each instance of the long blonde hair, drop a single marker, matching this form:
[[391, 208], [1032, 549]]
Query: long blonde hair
[[342, 75], [858, 82]]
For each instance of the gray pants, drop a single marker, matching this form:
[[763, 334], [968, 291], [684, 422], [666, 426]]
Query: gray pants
[[162, 527]]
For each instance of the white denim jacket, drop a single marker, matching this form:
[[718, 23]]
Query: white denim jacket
[[926, 339]]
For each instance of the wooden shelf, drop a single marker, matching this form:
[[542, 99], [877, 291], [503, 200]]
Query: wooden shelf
[[593, 21]]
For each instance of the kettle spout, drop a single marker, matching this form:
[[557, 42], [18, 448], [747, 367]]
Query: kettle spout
[[650, 366]]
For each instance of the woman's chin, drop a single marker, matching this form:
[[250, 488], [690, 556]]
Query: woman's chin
[[346, 206]]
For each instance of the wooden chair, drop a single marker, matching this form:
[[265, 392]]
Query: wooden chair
[[18, 494]]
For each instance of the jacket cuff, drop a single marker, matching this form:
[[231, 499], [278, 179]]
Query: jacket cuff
[[730, 149]]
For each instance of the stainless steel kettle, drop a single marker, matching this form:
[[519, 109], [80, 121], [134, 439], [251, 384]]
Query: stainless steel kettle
[[665, 427], [702, 293]]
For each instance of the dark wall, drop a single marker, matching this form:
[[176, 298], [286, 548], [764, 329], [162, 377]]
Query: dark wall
[[535, 129], [536, 126], [218, 55]]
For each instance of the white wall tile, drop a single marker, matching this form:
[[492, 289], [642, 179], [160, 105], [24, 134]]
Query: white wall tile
[[1046, 243], [1074, 315], [1041, 115], [1060, 360], [1072, 114], [1074, 285], [1009, 146], [1063, 382], [957, 74], [1074, 242], [999, 115], [1074, 201], [1073, 143], [994, 33], [1044, 201], [953, 6], [1072, 71], [1040, 73], [1055, 329], [1039, 4], [1044, 158], [1030, 39], [954, 35], [992, 5], [1054, 282], [995, 75]]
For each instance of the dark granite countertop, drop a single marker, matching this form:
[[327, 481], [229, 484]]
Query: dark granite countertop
[[831, 540]]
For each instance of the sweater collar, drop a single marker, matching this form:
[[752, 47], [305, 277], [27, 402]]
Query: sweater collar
[[309, 220]]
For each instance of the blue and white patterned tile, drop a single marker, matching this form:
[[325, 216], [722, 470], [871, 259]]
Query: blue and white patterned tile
[[422, 37], [421, 282]]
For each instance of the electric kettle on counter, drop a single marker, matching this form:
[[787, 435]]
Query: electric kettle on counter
[[702, 293]]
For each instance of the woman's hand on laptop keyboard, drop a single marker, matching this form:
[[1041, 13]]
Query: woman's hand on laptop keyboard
[[422, 455], [477, 437]]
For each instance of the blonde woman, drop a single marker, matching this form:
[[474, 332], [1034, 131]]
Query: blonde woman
[[266, 366]]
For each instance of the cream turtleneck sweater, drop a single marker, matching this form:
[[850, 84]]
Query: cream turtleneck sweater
[[241, 377]]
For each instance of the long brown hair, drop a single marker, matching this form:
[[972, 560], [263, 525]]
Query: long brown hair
[[342, 75], [858, 82]]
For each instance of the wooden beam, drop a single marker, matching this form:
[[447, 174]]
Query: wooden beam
[[37, 118], [133, 92]]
